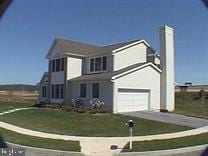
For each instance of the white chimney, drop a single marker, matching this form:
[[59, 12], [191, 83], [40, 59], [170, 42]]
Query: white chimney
[[167, 92]]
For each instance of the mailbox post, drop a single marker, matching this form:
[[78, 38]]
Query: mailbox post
[[130, 125]]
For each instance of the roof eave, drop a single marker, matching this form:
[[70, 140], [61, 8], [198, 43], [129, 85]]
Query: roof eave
[[130, 45], [135, 69], [72, 54]]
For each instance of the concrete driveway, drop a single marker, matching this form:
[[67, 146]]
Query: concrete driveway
[[170, 118]]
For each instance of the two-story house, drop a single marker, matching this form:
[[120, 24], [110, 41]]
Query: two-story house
[[127, 76]]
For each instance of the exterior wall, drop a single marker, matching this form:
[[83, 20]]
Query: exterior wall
[[40, 98], [86, 64], [167, 66], [105, 92], [74, 67], [130, 56], [56, 78], [44, 82], [146, 78]]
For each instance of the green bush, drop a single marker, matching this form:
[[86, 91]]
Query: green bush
[[80, 110], [104, 111], [68, 108], [93, 111]]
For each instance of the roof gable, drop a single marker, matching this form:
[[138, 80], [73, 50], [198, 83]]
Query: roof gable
[[69, 47], [55, 51]]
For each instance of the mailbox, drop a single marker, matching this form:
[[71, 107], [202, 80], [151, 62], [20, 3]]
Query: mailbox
[[130, 124]]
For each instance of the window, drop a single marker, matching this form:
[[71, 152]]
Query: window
[[83, 90], [57, 91], [53, 65], [52, 92], [43, 91], [98, 64], [104, 63], [92, 64], [95, 90], [62, 91], [50, 66], [62, 64], [58, 65]]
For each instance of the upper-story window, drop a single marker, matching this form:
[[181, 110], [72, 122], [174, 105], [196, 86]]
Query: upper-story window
[[57, 65], [98, 64]]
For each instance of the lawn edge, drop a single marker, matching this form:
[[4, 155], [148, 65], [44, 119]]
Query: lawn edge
[[38, 148], [170, 151]]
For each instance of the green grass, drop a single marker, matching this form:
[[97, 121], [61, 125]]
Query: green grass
[[9, 136], [169, 143], [79, 124], [186, 104], [5, 106]]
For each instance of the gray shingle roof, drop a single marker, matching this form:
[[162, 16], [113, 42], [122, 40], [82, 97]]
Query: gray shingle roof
[[84, 49], [74, 47], [107, 75]]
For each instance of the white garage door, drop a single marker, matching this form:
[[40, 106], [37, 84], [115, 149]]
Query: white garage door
[[132, 100]]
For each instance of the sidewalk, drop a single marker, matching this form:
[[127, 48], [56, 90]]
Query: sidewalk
[[100, 146]]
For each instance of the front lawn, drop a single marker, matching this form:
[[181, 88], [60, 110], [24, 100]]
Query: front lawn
[[140, 146], [84, 124], [9, 136], [188, 104], [5, 106]]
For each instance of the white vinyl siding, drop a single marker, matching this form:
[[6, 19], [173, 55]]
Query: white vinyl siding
[[105, 92], [144, 79], [133, 100], [74, 67], [132, 55]]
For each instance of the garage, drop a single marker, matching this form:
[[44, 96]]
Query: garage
[[133, 100]]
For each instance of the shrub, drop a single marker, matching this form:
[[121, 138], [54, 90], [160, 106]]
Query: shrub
[[80, 110], [39, 105], [104, 111], [96, 104], [76, 103], [93, 111], [68, 108]]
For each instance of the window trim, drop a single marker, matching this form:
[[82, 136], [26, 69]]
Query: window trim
[[94, 64], [54, 65]]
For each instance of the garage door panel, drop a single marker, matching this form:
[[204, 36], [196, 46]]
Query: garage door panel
[[133, 101]]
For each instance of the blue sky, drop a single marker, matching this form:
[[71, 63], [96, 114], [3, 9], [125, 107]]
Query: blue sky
[[28, 28]]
